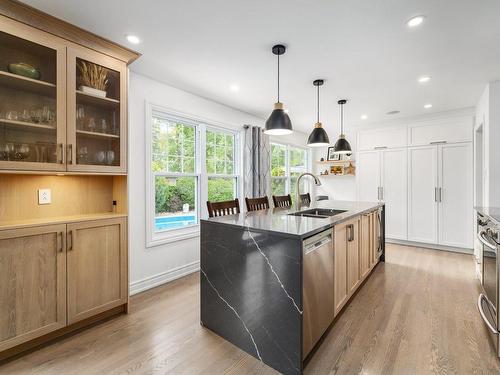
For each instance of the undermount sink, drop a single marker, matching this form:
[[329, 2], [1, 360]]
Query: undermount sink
[[321, 213]]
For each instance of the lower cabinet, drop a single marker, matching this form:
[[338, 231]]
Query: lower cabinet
[[32, 283], [54, 275], [355, 255], [97, 267]]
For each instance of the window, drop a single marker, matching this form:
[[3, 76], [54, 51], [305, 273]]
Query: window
[[220, 151], [188, 162], [287, 163]]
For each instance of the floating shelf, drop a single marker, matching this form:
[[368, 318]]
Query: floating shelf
[[94, 100], [336, 162], [97, 134], [27, 84], [27, 125]]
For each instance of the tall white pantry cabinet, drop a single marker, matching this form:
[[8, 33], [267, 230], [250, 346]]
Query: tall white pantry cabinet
[[423, 173]]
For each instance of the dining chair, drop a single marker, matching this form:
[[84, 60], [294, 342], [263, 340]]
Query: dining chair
[[223, 208], [282, 200], [254, 204], [305, 199]]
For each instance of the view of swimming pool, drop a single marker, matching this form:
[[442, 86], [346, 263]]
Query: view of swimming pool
[[171, 222]]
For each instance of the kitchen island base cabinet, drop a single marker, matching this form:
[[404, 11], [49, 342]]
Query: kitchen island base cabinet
[[340, 293], [32, 283]]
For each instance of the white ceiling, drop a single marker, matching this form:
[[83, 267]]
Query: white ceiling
[[362, 48]]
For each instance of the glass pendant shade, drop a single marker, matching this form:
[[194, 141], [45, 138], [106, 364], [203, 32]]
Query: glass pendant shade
[[278, 123], [318, 137]]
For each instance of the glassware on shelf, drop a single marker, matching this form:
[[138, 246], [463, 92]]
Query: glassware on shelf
[[104, 125], [36, 116], [25, 116], [80, 116], [45, 115], [12, 115], [9, 149], [91, 124], [83, 155], [100, 157], [22, 151], [110, 157]]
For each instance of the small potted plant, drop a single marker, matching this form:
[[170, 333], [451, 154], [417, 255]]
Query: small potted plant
[[93, 79]]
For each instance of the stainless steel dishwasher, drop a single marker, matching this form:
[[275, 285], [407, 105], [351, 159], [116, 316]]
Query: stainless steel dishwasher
[[317, 287]]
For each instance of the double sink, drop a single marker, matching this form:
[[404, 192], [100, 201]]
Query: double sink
[[320, 213]]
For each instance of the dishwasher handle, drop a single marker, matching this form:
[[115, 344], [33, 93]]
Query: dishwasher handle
[[480, 237], [317, 243]]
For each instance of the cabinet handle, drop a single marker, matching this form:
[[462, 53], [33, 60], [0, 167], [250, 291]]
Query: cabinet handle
[[70, 240], [59, 241], [436, 194], [380, 147], [440, 191], [70, 154], [350, 234], [382, 193], [437, 142], [60, 153]]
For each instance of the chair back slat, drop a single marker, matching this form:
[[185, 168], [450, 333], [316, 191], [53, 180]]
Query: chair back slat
[[255, 204], [282, 200], [223, 208], [305, 199]]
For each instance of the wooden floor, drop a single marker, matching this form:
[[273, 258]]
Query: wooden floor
[[416, 314]]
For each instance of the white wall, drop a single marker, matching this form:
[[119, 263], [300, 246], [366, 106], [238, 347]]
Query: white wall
[[156, 265]]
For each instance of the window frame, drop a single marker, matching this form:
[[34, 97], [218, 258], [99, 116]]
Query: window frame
[[201, 126], [287, 177]]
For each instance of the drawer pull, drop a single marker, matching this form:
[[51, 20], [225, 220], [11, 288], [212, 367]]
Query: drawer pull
[[70, 240]]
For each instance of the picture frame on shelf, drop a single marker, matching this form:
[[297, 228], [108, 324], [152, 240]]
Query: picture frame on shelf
[[332, 156]]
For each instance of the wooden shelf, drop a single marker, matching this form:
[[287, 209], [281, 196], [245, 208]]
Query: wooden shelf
[[23, 125], [335, 175], [97, 134], [336, 162], [16, 224], [27, 84], [94, 100]]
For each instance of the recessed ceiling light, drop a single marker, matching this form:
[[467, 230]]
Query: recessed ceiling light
[[392, 112], [133, 39], [427, 106], [234, 88], [415, 21], [364, 117], [424, 79]]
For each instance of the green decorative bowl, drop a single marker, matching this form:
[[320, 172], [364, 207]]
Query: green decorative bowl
[[25, 70]]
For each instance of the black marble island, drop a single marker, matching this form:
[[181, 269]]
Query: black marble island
[[251, 276]]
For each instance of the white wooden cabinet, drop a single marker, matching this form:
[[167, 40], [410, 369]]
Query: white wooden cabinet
[[422, 194], [374, 139], [382, 176], [441, 131], [455, 212], [440, 195]]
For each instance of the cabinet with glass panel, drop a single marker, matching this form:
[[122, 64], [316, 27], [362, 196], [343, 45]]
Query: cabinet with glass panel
[[96, 112], [32, 99]]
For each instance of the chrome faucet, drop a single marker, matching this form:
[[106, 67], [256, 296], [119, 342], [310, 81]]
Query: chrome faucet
[[317, 182]]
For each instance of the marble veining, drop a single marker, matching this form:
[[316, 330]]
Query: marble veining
[[235, 312], [273, 271]]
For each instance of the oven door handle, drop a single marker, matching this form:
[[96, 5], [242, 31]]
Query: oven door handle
[[480, 308], [480, 237]]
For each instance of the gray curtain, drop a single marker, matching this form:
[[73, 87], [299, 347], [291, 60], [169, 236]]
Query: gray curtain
[[256, 162]]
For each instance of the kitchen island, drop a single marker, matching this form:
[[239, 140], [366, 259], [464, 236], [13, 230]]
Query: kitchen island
[[272, 281]]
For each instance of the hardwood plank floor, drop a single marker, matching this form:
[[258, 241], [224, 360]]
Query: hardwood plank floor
[[416, 314]]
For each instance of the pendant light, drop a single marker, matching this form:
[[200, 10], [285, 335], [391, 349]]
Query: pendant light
[[278, 123], [318, 137], [342, 146]]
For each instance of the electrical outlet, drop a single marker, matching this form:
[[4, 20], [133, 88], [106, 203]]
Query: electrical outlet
[[44, 196]]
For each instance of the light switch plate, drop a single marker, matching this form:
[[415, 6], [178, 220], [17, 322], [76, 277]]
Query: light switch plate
[[44, 196]]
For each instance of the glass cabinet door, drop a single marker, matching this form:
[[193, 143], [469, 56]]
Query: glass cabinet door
[[32, 99], [96, 112]]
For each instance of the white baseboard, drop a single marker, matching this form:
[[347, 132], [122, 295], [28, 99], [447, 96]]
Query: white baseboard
[[431, 246], [162, 278]]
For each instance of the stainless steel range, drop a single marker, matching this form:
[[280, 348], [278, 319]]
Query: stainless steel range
[[489, 236]]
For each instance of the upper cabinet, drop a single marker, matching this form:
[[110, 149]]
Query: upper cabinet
[[96, 112], [454, 130], [377, 139], [32, 99], [62, 105]]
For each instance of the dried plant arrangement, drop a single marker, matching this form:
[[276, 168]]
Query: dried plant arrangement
[[92, 75]]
